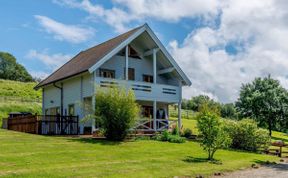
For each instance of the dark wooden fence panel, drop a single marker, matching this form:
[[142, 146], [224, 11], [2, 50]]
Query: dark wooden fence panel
[[45, 125], [26, 124]]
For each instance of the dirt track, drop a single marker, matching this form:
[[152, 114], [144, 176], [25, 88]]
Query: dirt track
[[265, 171]]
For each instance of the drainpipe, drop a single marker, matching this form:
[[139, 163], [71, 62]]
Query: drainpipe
[[61, 89]]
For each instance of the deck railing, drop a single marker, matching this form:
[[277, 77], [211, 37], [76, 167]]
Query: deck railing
[[148, 124], [144, 90]]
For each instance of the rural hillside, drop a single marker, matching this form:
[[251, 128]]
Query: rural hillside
[[18, 96]]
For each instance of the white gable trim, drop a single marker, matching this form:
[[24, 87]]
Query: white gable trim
[[129, 40]]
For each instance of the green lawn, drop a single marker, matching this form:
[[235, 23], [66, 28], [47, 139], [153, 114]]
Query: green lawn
[[26, 155], [18, 97]]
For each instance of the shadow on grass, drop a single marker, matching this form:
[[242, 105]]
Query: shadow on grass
[[190, 159], [94, 141], [273, 165]]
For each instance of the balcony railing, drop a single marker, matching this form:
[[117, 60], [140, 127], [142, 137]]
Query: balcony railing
[[144, 90]]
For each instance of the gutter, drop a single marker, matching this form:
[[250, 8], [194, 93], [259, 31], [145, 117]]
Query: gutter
[[61, 89]]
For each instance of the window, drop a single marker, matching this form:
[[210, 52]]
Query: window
[[131, 73], [131, 53], [71, 110], [107, 73], [148, 78]]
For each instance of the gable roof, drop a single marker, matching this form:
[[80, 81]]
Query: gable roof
[[92, 58], [85, 59]]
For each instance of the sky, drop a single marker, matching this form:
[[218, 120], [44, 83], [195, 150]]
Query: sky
[[219, 44]]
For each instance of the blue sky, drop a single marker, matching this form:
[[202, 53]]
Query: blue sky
[[219, 44], [21, 32]]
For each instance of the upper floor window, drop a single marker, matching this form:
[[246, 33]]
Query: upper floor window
[[131, 73], [148, 78], [107, 73]]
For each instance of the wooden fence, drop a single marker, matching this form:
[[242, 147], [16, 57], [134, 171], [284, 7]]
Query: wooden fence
[[45, 125]]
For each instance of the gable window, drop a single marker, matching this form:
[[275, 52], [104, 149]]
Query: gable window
[[106, 73], [148, 78], [131, 53], [131, 73], [71, 110]]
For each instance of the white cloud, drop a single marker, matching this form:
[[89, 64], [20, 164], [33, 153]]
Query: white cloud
[[258, 28], [125, 12], [64, 32], [39, 74], [52, 61]]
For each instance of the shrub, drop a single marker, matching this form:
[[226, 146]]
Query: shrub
[[187, 133], [246, 135], [168, 137], [117, 111], [213, 135], [175, 131]]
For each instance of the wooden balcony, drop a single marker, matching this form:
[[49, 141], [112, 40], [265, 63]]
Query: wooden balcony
[[144, 90]]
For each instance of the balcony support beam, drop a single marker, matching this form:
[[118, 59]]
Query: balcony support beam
[[167, 70], [179, 107], [154, 115], [150, 52], [126, 62], [154, 65]]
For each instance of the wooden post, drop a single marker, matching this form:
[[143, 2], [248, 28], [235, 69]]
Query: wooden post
[[126, 62], [179, 106], [154, 66], [154, 115], [179, 116]]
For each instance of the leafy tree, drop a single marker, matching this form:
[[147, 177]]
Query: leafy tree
[[266, 101], [195, 103], [246, 135], [211, 129], [228, 111], [117, 111], [11, 70]]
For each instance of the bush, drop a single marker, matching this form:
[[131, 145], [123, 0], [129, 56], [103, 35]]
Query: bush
[[211, 129], [187, 133], [168, 137], [117, 111], [246, 135], [175, 131]]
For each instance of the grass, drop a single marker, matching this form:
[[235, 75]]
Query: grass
[[26, 155], [20, 90], [18, 97]]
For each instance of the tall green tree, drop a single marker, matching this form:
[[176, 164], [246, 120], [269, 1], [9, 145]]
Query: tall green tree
[[266, 101], [11, 70], [212, 131]]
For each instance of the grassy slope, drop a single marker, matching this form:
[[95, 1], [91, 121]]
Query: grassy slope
[[25, 155], [18, 96]]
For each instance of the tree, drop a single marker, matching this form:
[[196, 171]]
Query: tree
[[11, 70], [266, 101], [195, 102], [117, 111], [228, 111], [210, 128]]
